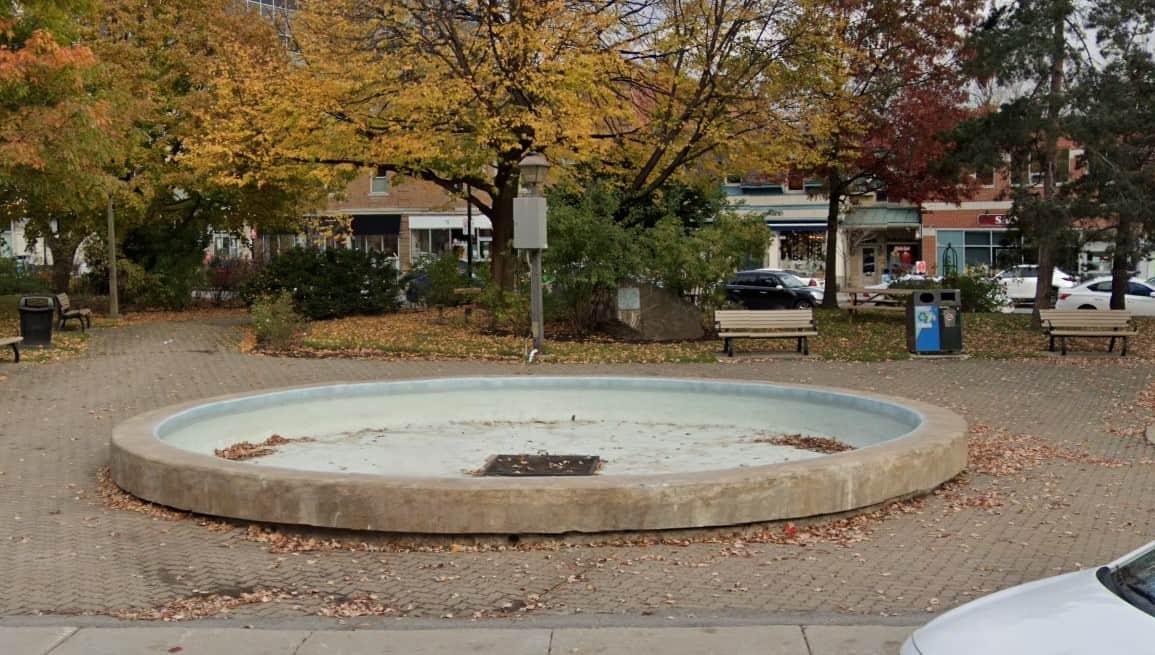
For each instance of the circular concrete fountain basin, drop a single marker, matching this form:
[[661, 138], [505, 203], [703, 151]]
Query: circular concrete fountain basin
[[405, 456]]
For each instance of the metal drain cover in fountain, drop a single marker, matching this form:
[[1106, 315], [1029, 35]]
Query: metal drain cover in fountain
[[541, 465]]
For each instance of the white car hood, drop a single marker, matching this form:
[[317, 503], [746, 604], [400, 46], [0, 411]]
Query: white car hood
[[1071, 614]]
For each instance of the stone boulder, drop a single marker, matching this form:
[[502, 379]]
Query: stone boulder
[[654, 314]]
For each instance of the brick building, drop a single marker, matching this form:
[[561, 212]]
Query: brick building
[[407, 220]]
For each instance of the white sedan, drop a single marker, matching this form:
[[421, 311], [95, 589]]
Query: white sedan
[[1096, 294], [1109, 611], [1021, 281]]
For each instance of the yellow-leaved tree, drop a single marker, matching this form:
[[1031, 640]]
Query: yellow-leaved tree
[[457, 93]]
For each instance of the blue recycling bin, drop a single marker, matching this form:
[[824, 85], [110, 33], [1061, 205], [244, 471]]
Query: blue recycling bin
[[934, 322]]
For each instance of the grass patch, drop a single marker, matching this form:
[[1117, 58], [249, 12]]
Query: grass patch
[[65, 345], [871, 337]]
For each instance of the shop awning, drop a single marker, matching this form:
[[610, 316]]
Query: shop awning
[[448, 222], [376, 224], [883, 217], [781, 226]]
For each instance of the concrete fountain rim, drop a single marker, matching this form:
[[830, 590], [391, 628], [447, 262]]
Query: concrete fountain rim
[[930, 454]]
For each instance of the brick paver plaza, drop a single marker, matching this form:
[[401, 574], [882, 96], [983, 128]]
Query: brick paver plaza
[[63, 551]]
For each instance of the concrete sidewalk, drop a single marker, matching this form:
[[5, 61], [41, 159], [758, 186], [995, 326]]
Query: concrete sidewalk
[[744, 640]]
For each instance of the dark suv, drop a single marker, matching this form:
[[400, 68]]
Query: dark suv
[[769, 290]]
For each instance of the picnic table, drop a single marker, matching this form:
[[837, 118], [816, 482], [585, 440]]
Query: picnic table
[[885, 300]]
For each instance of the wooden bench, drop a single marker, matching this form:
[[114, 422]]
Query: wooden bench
[[1082, 323], [765, 324], [15, 343], [67, 312]]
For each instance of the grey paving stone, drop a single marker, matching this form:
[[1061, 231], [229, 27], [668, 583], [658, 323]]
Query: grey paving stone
[[31, 641], [427, 642], [185, 641], [988, 534], [855, 640], [768, 640]]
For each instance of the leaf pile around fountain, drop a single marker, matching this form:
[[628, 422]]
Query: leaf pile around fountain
[[249, 450], [814, 444]]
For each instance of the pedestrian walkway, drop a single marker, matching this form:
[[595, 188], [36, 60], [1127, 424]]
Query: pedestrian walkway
[[744, 640], [65, 551]]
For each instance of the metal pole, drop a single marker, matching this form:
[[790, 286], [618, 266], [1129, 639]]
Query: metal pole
[[113, 292], [535, 304], [469, 233]]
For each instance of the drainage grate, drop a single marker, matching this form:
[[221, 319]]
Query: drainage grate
[[541, 465]]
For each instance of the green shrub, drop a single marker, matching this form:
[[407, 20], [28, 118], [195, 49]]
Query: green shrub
[[165, 289], [980, 293], [275, 322], [444, 276], [508, 310], [15, 279], [329, 283], [588, 254]]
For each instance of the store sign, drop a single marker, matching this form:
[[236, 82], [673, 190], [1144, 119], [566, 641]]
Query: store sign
[[1001, 220]]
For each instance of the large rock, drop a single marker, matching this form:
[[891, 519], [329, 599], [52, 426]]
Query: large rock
[[655, 314]]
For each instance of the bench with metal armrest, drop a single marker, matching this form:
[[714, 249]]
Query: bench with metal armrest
[[67, 312]]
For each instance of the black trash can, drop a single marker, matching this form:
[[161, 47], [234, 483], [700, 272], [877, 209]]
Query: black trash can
[[36, 320]]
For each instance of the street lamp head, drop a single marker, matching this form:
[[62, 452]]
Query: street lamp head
[[534, 167]]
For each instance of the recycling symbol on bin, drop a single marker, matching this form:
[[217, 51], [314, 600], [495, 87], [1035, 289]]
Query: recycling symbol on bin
[[924, 319]]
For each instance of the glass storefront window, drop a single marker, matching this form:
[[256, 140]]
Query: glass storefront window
[[805, 251], [986, 249]]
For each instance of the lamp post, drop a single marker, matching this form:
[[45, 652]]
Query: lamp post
[[113, 286], [529, 215]]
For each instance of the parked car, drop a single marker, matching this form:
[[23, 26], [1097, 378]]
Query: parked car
[[1096, 294], [762, 289], [1109, 611], [806, 278], [1021, 281]]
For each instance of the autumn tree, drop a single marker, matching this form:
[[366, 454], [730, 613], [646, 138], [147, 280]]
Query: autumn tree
[[54, 120], [107, 120], [458, 93], [889, 90]]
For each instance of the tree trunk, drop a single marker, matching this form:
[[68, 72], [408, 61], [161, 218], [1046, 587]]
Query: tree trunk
[[830, 293], [63, 255], [506, 182], [1121, 262], [501, 250], [1048, 238]]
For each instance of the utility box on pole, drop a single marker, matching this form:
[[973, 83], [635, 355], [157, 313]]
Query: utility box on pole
[[529, 223]]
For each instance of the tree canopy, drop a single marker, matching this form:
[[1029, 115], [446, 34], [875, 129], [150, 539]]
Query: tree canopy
[[458, 93]]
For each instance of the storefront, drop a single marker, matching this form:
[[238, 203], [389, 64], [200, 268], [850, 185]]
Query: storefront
[[970, 238], [435, 234], [798, 246], [882, 242]]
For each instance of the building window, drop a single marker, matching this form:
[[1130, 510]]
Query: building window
[[986, 176], [384, 243], [379, 183], [802, 250], [429, 243], [981, 249]]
